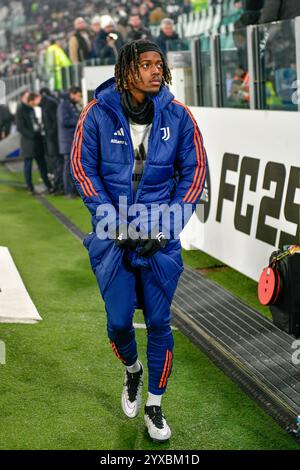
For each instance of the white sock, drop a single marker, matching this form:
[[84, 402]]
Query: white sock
[[153, 400], [136, 367]]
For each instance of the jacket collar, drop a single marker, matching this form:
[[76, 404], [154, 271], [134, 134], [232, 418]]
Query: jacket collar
[[107, 94]]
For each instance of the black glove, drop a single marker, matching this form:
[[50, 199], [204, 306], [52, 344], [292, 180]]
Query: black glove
[[124, 240], [126, 243], [152, 246]]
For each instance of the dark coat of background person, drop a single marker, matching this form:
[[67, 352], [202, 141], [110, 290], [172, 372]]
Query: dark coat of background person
[[67, 118], [162, 40], [142, 33], [279, 10], [251, 14], [6, 120], [49, 105], [253, 5], [102, 50], [31, 141]]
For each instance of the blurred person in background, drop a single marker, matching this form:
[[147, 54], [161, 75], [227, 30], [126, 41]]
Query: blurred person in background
[[137, 30], [80, 43], [95, 27], [251, 10], [49, 105], [32, 144], [156, 16], [167, 33], [56, 59], [199, 5], [123, 28], [6, 120], [108, 41], [144, 14], [67, 119], [275, 10], [96, 24]]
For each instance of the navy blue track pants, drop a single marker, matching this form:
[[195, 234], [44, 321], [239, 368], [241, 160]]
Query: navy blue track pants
[[120, 304]]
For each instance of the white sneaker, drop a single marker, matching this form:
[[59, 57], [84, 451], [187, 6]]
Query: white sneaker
[[131, 399], [156, 424]]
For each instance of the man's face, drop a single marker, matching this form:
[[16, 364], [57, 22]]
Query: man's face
[[24, 98], [151, 72], [96, 27], [238, 5], [109, 28], [168, 29], [76, 97], [135, 21], [36, 102], [80, 24]]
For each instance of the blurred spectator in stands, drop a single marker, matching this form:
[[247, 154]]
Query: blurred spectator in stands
[[32, 145], [239, 90], [108, 41], [272, 100], [6, 120], [95, 27], [251, 13], [96, 24], [67, 118], [151, 4], [137, 30], [56, 59], [55, 161], [80, 43], [144, 14], [167, 33], [123, 28], [187, 7], [275, 10], [156, 16], [199, 5], [121, 11], [23, 98]]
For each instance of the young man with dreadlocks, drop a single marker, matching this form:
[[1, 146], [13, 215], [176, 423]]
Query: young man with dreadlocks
[[135, 141]]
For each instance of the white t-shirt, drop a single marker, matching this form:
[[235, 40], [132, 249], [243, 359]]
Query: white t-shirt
[[140, 136]]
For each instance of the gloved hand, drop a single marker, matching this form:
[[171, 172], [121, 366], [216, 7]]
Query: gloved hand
[[124, 240], [126, 243], [152, 246]]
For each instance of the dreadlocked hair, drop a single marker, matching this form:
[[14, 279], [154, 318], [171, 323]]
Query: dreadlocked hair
[[128, 62]]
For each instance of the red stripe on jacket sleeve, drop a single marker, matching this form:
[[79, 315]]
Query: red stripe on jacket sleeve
[[78, 170], [200, 172]]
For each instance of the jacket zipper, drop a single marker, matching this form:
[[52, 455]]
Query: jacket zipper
[[147, 158], [131, 151], [128, 135]]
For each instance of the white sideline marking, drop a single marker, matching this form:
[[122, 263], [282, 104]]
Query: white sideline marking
[[15, 304]]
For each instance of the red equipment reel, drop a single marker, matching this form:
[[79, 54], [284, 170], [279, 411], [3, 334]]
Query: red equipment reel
[[269, 286]]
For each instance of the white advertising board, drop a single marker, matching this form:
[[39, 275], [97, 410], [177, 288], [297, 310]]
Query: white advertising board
[[253, 188]]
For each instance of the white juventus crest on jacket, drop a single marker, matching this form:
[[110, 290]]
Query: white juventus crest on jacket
[[166, 133]]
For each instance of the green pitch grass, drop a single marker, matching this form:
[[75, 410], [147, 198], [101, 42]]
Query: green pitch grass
[[61, 385]]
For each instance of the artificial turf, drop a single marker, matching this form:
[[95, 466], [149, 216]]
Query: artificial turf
[[61, 385]]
